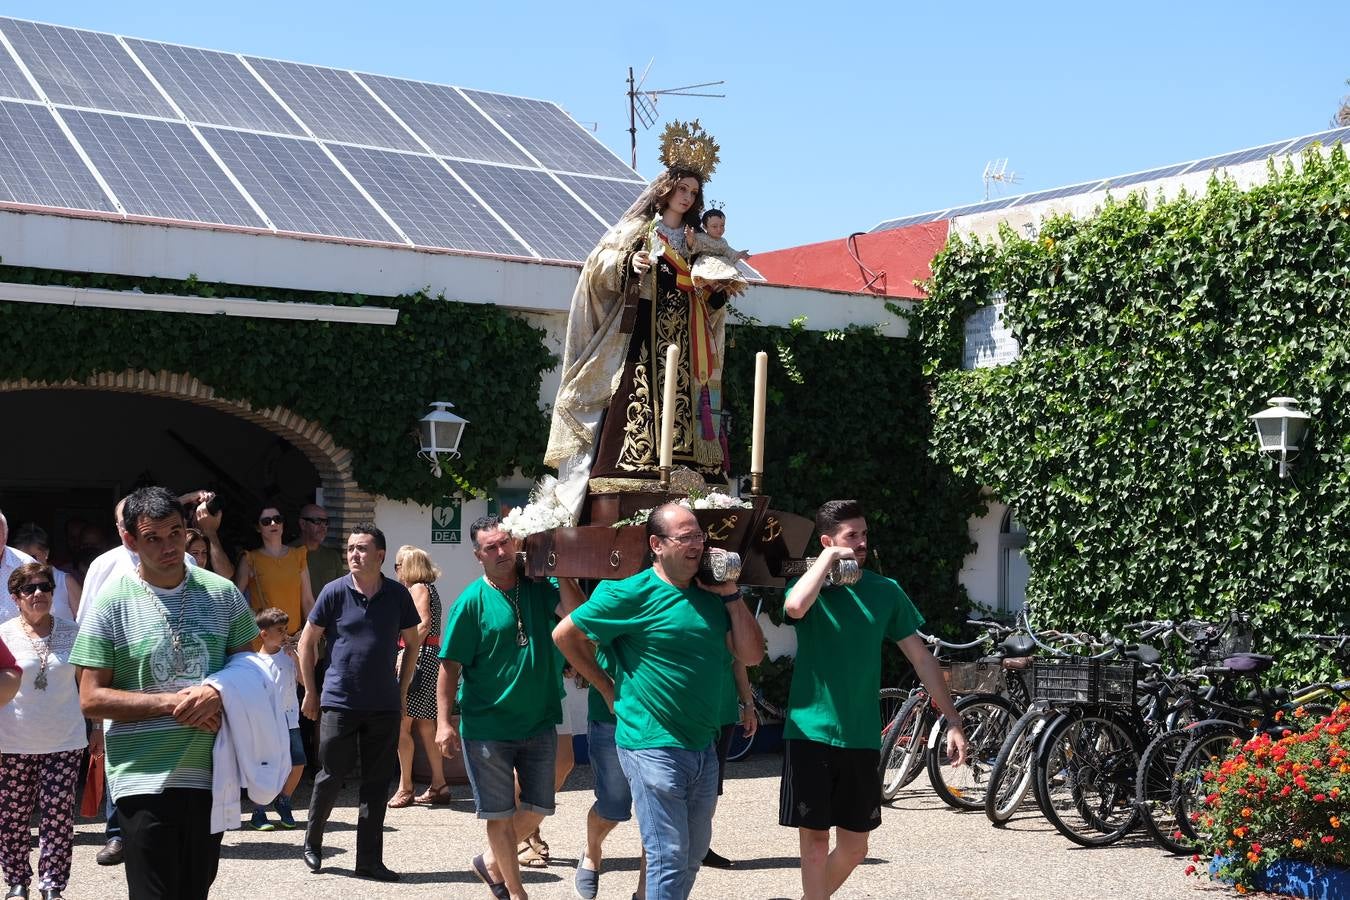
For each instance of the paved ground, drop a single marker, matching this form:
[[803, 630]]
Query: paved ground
[[923, 850]]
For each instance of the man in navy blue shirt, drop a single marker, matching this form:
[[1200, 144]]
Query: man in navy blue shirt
[[362, 615]]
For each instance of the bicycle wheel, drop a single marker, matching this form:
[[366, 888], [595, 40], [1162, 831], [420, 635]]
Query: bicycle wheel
[[1188, 795], [740, 744], [1153, 785], [889, 702], [985, 718], [1010, 777], [1085, 771], [902, 750]]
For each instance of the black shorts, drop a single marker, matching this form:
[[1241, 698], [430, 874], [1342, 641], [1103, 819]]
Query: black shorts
[[828, 787]]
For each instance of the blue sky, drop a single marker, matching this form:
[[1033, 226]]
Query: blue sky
[[837, 115]]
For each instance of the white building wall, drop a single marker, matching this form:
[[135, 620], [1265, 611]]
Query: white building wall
[[979, 573]]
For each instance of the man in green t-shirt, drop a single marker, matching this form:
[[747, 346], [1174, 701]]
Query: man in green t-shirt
[[833, 732], [669, 640], [145, 645], [499, 635]]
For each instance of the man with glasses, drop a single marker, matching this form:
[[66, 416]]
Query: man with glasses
[[499, 635], [325, 563], [670, 639], [362, 701]]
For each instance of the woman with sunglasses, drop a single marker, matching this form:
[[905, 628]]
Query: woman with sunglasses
[[42, 738], [275, 574]]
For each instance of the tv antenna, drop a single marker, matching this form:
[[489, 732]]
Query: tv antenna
[[996, 172], [642, 102]]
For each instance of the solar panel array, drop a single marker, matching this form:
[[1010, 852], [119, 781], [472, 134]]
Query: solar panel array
[[127, 127], [1209, 164]]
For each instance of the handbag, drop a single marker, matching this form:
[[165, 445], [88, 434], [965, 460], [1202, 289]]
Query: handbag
[[91, 802]]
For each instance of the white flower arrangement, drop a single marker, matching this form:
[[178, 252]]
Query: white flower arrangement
[[544, 512], [715, 500]]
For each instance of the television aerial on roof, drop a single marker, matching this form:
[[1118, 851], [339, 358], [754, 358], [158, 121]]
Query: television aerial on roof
[[996, 173], [642, 102]]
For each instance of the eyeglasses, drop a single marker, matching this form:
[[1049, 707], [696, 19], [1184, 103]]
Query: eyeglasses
[[313, 521], [272, 520], [688, 540], [44, 587]]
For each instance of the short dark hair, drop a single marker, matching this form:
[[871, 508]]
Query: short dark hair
[[19, 577], [271, 616], [370, 529], [480, 524], [713, 214], [153, 503], [834, 513], [30, 533]]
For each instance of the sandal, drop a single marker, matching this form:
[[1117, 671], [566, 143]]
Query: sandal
[[537, 844], [528, 858], [401, 799], [435, 796]]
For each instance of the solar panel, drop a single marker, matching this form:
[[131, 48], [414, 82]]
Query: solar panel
[[1325, 138], [445, 120], [84, 68], [1241, 156], [159, 169], [1072, 190], [12, 81], [610, 199], [213, 88], [39, 166], [298, 186], [432, 208], [1150, 175], [550, 135], [333, 104], [536, 207]]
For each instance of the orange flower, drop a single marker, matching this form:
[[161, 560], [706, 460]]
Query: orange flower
[[1297, 842], [1247, 811]]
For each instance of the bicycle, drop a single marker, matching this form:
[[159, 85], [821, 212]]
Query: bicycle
[[764, 712]]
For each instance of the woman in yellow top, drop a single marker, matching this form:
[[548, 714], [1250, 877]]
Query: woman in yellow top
[[274, 574]]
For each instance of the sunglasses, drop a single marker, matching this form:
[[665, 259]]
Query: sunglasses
[[313, 521], [28, 590], [272, 520]]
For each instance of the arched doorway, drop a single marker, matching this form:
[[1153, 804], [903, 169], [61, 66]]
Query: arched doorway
[[75, 447], [1013, 571]]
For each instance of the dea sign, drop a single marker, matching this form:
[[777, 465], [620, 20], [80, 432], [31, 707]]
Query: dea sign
[[445, 521]]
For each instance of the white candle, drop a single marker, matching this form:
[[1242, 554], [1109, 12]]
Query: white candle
[[668, 406], [761, 392]]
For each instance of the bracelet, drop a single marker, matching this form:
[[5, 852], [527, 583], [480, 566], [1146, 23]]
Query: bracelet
[[727, 598]]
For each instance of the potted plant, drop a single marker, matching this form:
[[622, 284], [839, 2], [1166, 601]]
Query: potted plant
[[1276, 813]]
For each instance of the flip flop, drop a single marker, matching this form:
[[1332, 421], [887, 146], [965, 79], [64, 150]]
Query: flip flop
[[498, 888]]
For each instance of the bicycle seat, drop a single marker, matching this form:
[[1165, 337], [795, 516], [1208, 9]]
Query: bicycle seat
[[1248, 663], [1143, 653], [1018, 645]]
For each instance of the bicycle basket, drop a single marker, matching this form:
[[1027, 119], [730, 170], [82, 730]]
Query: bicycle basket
[[973, 677], [1219, 640], [1084, 681]]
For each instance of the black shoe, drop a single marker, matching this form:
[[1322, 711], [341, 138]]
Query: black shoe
[[111, 854], [51, 894], [313, 859], [17, 890], [716, 860], [379, 872]]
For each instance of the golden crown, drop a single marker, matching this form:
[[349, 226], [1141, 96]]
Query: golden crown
[[688, 146]]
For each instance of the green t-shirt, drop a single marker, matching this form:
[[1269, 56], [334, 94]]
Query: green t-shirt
[[670, 659], [325, 564], [509, 692], [128, 631], [837, 672]]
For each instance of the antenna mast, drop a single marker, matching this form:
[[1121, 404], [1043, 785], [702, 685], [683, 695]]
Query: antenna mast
[[996, 172], [642, 103]]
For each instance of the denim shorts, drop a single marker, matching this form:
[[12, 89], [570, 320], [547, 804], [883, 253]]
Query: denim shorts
[[613, 797], [298, 757], [494, 766]]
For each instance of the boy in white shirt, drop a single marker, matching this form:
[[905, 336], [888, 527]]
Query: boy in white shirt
[[279, 650]]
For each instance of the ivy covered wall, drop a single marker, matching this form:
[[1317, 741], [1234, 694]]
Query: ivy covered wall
[[1149, 334]]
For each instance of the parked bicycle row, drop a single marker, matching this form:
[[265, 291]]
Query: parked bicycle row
[[1105, 734]]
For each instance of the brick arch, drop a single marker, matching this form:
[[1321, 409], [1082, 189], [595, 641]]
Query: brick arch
[[347, 503]]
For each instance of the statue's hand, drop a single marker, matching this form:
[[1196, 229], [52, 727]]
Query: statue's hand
[[642, 261]]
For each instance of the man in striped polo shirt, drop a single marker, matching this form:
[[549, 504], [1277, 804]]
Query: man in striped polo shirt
[[144, 648]]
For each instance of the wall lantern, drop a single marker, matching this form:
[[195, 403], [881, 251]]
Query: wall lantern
[[1280, 430], [441, 431]]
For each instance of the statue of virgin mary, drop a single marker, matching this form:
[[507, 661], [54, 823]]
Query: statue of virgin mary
[[634, 297]]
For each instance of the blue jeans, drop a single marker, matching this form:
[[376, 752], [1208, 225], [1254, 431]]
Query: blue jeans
[[674, 796], [613, 797], [493, 768]]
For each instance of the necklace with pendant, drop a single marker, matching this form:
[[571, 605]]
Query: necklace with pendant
[[176, 655], [514, 599], [43, 649]]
